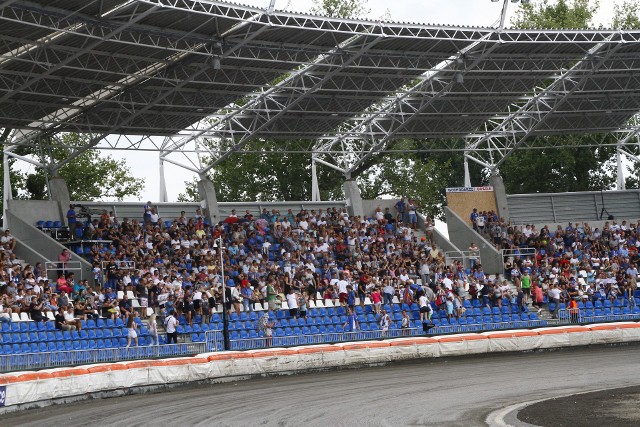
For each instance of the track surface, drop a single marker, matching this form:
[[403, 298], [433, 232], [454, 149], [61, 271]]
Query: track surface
[[443, 392]]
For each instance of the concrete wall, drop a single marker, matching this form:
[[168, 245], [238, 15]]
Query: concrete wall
[[171, 211], [32, 211], [40, 243], [462, 235], [582, 206], [370, 206]]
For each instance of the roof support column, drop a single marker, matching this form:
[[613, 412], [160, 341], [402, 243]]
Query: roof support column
[[353, 197], [501, 196], [315, 189], [209, 199], [163, 182], [60, 193], [620, 175], [6, 190]]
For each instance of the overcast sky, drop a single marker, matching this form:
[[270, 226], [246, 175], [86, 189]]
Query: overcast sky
[[453, 12]]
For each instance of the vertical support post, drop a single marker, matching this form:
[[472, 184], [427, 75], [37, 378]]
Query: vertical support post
[[500, 194], [315, 189], [353, 197], [6, 191], [209, 198], [503, 15], [225, 315], [620, 175], [60, 193], [467, 175], [163, 183]]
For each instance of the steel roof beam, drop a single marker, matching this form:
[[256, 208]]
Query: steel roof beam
[[307, 83], [528, 117]]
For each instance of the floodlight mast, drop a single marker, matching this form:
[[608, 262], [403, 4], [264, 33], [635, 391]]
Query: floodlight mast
[[503, 14]]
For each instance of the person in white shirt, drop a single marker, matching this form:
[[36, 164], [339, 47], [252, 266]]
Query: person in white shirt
[[342, 290], [171, 325], [292, 302]]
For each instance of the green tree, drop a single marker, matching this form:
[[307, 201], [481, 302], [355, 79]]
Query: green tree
[[558, 15], [89, 177], [265, 171], [627, 15], [408, 175], [568, 168], [340, 8]]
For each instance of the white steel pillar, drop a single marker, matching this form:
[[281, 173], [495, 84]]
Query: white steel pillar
[[620, 176], [163, 183], [6, 191], [467, 175], [315, 189]]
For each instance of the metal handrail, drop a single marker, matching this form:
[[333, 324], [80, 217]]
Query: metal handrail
[[48, 359]]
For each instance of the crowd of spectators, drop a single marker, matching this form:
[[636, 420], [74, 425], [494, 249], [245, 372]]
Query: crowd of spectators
[[576, 262], [289, 260]]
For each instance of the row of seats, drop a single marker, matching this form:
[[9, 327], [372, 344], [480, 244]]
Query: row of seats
[[41, 347]]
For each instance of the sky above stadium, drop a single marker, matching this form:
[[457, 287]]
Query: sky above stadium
[[452, 12]]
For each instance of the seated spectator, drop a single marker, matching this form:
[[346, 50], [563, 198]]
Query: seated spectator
[[7, 241]]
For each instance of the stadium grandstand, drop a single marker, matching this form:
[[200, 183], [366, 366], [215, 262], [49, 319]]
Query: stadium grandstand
[[124, 281]]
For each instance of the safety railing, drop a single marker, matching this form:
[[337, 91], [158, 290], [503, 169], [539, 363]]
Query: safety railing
[[31, 361], [292, 339]]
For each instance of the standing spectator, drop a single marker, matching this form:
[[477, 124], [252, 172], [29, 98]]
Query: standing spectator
[[292, 302], [343, 285], [412, 208], [351, 324], [148, 208], [171, 324], [384, 321], [537, 297], [401, 208], [265, 325], [425, 308], [376, 298], [63, 259], [474, 219], [526, 286], [71, 221], [406, 323], [132, 335], [152, 327], [389, 291], [554, 296]]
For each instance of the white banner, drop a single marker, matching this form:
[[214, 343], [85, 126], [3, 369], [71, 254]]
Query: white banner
[[468, 189]]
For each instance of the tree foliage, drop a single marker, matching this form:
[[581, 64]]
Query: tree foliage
[[265, 171], [571, 168], [340, 8], [627, 15], [562, 14], [90, 176]]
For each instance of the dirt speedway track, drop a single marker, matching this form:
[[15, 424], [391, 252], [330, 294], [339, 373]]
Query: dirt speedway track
[[442, 392]]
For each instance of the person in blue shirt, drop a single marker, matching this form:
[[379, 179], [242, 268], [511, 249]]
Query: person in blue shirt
[[71, 220], [351, 298], [473, 217], [352, 324]]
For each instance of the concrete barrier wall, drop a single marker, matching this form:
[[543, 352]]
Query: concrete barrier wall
[[32, 211], [27, 389], [462, 235], [41, 247]]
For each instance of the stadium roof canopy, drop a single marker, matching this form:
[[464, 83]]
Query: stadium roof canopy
[[192, 69]]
